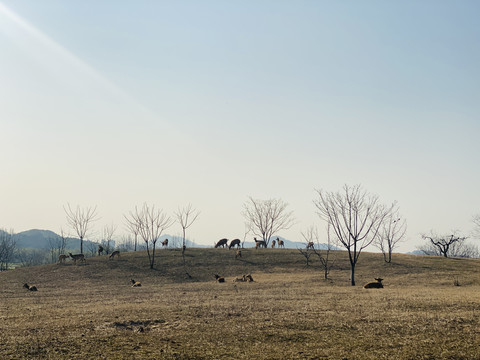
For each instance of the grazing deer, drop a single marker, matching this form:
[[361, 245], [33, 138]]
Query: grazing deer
[[219, 278], [238, 253], [30, 287], [62, 258], [374, 285], [233, 243], [222, 243], [76, 257], [113, 254], [260, 243], [310, 245], [135, 283], [165, 243], [100, 250], [280, 243]]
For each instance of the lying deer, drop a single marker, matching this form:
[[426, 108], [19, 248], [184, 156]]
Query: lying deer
[[219, 278], [135, 283], [375, 284], [30, 287]]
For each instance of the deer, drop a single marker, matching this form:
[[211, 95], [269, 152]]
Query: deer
[[374, 284], [165, 243], [76, 257], [100, 250], [222, 243], [273, 244], [62, 258], [233, 243], [260, 243], [113, 254], [30, 287], [280, 243], [219, 278], [238, 253], [135, 283]]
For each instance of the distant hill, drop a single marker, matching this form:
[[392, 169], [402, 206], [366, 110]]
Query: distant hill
[[42, 239]]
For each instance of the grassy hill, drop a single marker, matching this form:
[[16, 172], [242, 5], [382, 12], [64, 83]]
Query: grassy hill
[[91, 311]]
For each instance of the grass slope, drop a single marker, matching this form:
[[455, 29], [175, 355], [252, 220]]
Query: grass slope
[[289, 312]]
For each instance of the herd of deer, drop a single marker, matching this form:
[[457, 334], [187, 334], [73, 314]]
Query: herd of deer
[[258, 243], [221, 243]]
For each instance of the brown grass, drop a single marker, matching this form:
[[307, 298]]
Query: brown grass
[[289, 312]]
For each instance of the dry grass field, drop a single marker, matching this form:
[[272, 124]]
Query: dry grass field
[[289, 312]]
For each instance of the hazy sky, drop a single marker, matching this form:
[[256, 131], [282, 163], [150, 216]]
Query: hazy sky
[[117, 103]]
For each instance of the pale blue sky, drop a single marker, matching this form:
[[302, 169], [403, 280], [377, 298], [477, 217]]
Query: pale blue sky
[[116, 103]]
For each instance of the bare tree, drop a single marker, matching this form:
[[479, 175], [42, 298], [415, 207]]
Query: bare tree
[[355, 217], [151, 223], [8, 248], [108, 232], [446, 244], [325, 259], [80, 220], [266, 217], [185, 218], [392, 232], [132, 225], [309, 236], [57, 246]]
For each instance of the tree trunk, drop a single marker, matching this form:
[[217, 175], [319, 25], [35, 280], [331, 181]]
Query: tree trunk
[[81, 245], [353, 274]]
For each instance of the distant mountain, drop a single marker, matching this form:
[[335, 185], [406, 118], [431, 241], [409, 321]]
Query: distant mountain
[[44, 239]]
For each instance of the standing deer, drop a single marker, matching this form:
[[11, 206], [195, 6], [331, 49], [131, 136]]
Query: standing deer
[[62, 258], [165, 243], [76, 257], [280, 243], [260, 243]]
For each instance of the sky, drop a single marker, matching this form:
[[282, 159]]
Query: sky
[[113, 104]]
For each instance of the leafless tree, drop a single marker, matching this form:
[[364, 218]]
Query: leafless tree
[[186, 217], [392, 232], [132, 225], [126, 243], [8, 248], [80, 220], [355, 217], [57, 245], [32, 257], [267, 217], [107, 238], [446, 244], [151, 223], [309, 236], [325, 256]]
